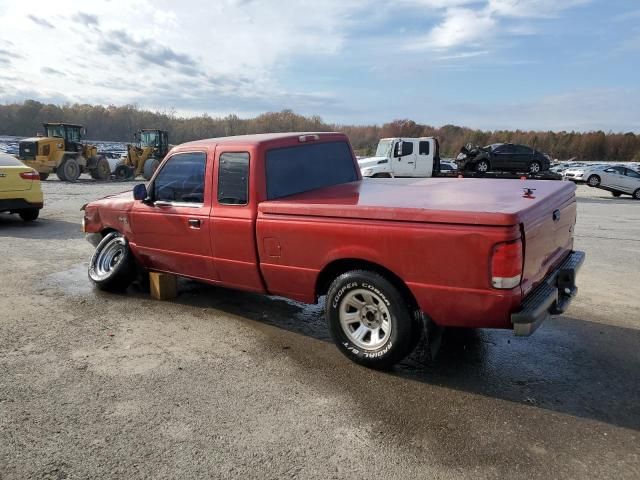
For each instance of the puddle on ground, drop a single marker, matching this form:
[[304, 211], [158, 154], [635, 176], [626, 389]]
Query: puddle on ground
[[72, 282]]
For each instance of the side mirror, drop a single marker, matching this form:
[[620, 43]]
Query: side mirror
[[140, 192]]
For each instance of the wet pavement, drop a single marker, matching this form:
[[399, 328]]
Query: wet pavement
[[225, 384]]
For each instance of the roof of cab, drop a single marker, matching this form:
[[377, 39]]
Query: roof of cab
[[255, 139]]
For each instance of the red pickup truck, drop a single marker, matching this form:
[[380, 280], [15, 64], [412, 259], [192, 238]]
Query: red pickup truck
[[290, 215]]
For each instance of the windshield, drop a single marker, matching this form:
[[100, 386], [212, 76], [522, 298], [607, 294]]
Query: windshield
[[54, 131], [149, 139], [384, 148]]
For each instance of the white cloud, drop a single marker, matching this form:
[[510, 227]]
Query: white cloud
[[146, 52], [476, 23], [460, 26]]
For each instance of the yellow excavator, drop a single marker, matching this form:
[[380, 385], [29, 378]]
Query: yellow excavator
[[145, 156], [62, 152]]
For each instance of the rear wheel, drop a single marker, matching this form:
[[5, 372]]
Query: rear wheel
[[29, 214], [70, 170], [535, 167], [616, 194], [370, 320], [123, 172], [43, 176], [102, 170], [381, 175], [593, 181], [636, 194], [112, 267], [150, 166], [482, 166]]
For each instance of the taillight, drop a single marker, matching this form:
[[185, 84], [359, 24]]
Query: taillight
[[506, 265], [32, 175]]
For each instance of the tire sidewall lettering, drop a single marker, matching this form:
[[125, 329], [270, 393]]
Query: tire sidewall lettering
[[335, 301]]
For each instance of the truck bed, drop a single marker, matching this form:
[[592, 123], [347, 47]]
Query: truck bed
[[494, 202]]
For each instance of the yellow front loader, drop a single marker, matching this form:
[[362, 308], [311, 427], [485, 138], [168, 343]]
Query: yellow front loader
[[144, 157], [62, 152]]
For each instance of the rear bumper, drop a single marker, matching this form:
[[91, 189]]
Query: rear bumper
[[15, 204], [551, 297]]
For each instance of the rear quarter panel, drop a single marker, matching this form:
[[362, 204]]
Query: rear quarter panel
[[445, 266]]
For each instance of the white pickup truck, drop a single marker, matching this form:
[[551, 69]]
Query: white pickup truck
[[403, 157]]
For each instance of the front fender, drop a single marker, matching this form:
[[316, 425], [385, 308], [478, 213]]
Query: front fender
[[375, 169]]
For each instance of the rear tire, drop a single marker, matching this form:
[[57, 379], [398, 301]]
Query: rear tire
[[482, 166], [70, 170], [535, 167], [593, 180], [102, 171], [381, 175], [616, 194], [29, 214], [370, 320], [43, 176], [150, 166], [112, 267], [124, 172], [636, 194]]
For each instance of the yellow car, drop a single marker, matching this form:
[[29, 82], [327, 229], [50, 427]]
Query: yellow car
[[20, 190]]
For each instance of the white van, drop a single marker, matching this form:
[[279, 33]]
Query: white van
[[403, 157]]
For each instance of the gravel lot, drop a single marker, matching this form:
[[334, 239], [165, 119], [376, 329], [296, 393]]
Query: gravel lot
[[232, 385]]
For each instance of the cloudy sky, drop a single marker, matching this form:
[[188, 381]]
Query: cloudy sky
[[544, 64]]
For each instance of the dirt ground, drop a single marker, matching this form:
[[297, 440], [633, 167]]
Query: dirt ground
[[222, 384]]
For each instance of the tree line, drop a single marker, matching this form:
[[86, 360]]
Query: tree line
[[118, 123]]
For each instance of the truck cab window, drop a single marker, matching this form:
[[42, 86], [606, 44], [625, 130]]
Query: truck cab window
[[302, 168], [181, 179], [407, 149], [423, 148], [233, 178]]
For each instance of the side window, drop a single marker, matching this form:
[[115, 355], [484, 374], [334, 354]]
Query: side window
[[631, 173], [233, 178], [407, 149], [181, 179], [523, 150], [73, 135], [423, 148], [504, 149]]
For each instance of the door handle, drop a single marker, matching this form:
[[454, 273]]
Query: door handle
[[194, 223]]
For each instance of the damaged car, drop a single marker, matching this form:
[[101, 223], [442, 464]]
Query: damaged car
[[502, 157]]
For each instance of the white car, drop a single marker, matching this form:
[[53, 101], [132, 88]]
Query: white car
[[617, 180], [581, 173]]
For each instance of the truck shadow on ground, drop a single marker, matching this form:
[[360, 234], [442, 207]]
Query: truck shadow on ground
[[42, 228], [570, 365]]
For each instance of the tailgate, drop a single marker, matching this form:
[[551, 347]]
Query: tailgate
[[11, 181], [548, 236]]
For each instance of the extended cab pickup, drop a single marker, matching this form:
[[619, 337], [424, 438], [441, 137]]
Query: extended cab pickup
[[290, 215]]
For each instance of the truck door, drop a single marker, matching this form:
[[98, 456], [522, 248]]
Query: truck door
[[233, 221], [172, 228], [404, 159], [424, 159]]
